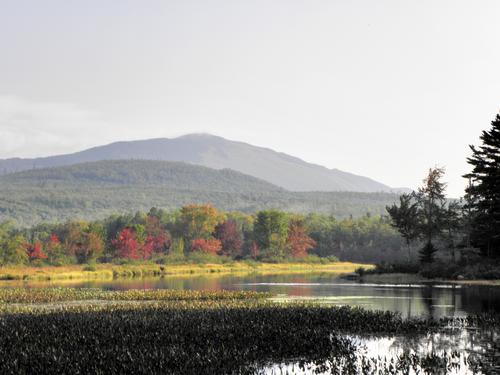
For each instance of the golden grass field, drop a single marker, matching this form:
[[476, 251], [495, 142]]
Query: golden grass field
[[110, 271]]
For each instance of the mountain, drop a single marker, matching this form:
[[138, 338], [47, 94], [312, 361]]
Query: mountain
[[95, 190], [164, 174], [280, 169]]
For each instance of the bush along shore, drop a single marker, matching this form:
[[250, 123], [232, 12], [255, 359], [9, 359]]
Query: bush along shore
[[203, 332]]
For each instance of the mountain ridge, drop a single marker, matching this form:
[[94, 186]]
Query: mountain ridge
[[281, 169]]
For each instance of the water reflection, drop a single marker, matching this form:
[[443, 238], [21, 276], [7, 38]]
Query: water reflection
[[453, 351], [410, 299]]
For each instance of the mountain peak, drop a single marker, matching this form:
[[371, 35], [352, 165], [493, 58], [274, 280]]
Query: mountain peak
[[216, 152]]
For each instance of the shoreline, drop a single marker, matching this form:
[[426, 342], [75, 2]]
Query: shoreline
[[411, 278], [111, 271]]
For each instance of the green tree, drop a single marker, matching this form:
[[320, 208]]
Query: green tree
[[453, 227], [12, 246], [271, 232], [198, 221], [484, 191], [405, 218], [177, 248]]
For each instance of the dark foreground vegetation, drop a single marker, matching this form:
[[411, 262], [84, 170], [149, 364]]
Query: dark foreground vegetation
[[193, 332]]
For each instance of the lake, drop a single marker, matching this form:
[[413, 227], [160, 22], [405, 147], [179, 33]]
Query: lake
[[409, 297], [457, 349]]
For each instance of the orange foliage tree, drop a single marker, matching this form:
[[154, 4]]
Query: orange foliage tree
[[35, 252], [298, 241]]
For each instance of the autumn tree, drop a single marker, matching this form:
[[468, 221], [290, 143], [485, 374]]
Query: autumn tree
[[158, 239], [208, 246], [484, 191], [91, 249], [35, 252], [126, 245], [198, 221], [230, 237], [73, 233], [54, 250], [298, 241], [83, 241]]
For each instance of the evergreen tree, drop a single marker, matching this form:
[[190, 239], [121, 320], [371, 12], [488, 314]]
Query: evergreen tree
[[432, 202], [485, 191]]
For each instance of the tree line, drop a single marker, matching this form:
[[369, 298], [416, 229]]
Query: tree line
[[201, 232]]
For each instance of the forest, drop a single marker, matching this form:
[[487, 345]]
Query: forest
[[202, 233], [96, 190]]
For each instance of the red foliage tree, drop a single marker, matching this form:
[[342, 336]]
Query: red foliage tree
[[298, 241], [126, 244], [157, 240], [147, 248], [53, 240], [230, 237], [34, 251], [210, 246]]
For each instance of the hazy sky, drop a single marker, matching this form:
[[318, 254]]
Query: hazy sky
[[385, 89]]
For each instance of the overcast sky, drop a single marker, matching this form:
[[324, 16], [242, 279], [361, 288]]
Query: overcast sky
[[384, 89]]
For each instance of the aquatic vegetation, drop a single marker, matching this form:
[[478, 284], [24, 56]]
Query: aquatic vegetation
[[44, 295], [224, 332]]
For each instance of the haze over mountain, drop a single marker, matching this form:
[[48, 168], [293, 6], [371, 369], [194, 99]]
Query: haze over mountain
[[216, 152]]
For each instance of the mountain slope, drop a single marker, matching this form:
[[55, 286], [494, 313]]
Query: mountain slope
[[202, 149], [98, 189], [164, 174]]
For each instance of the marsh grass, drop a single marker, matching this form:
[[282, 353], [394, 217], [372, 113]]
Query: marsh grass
[[112, 271]]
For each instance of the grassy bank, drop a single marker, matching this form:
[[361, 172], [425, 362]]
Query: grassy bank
[[111, 271]]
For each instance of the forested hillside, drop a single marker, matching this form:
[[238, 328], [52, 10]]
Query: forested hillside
[[207, 150], [94, 190]]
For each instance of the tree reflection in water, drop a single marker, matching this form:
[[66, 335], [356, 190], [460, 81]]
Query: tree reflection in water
[[460, 351]]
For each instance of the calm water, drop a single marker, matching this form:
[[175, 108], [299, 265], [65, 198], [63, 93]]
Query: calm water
[[410, 299], [458, 346]]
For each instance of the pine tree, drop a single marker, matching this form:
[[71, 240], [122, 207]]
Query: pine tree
[[485, 191], [432, 201]]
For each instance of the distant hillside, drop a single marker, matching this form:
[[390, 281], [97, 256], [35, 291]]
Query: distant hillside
[[277, 168], [164, 174], [95, 190]]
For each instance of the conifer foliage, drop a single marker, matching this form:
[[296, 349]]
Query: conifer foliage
[[484, 191]]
